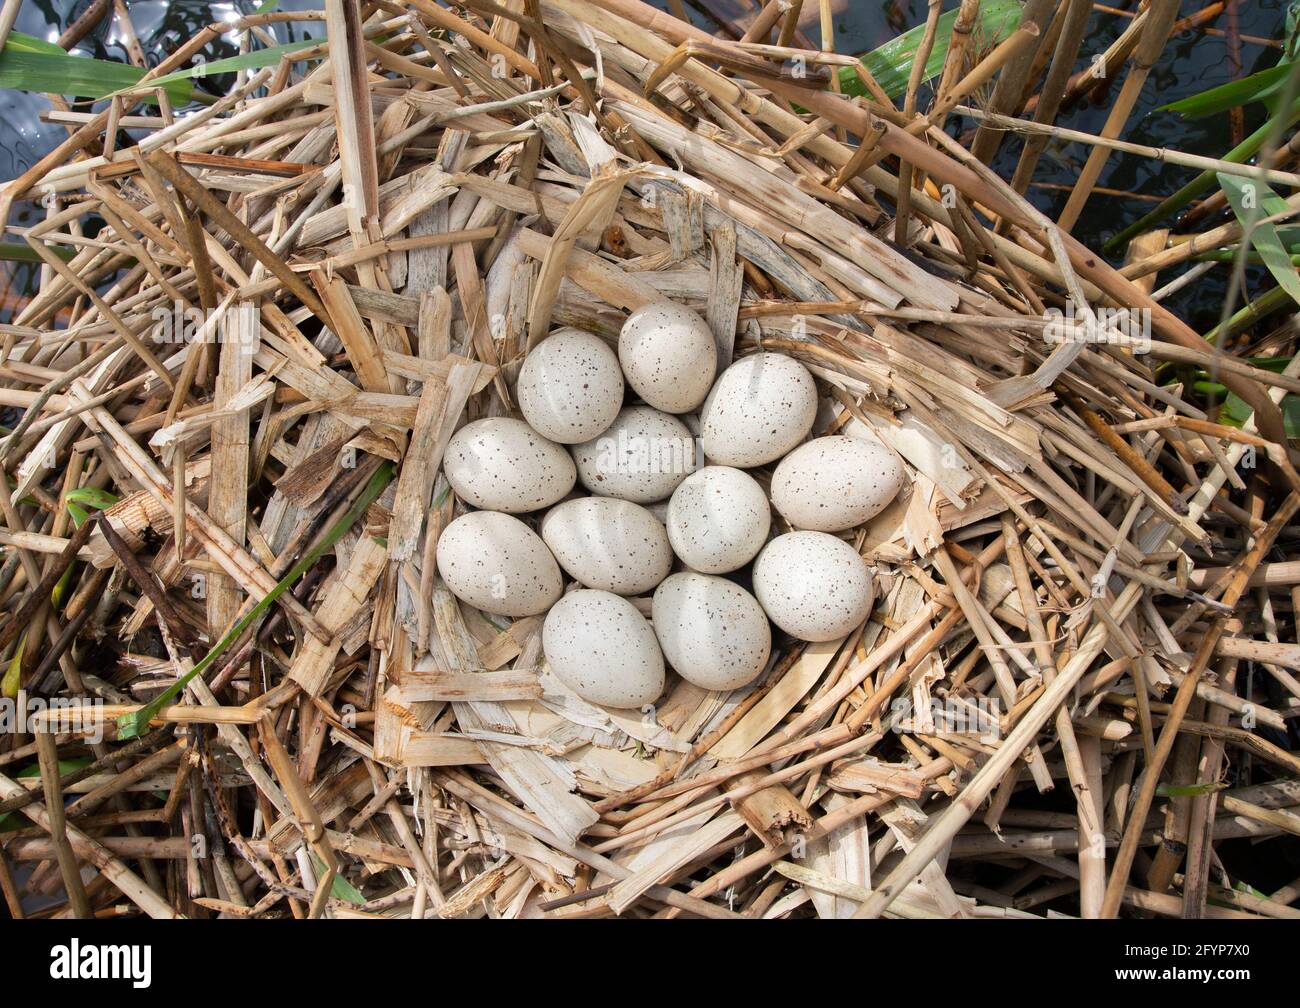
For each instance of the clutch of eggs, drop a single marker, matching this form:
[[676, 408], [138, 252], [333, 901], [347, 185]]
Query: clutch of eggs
[[617, 423]]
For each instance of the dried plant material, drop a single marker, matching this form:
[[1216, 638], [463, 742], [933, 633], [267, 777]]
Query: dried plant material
[[349, 594], [257, 328], [590, 213]]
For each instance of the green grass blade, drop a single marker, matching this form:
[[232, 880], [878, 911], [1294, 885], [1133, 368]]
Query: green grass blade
[[1218, 100], [1274, 299], [1236, 412], [131, 725], [30, 43], [340, 888], [28, 64], [23, 68], [891, 63], [1253, 201], [1188, 790], [34, 770], [22, 252], [12, 681], [255, 60], [95, 498], [1240, 154]]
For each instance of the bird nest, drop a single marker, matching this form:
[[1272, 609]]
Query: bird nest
[[232, 406]]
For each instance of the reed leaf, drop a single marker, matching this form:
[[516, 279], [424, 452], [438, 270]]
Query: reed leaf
[[340, 888], [12, 680], [95, 498], [33, 770], [1240, 154], [22, 252], [1257, 87], [1252, 201], [1236, 412], [28, 64], [891, 63], [255, 60]]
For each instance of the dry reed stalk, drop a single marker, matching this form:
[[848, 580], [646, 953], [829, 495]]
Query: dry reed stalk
[[376, 234], [1074, 22], [905, 170], [1159, 19]]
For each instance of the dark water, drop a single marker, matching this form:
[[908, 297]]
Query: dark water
[[1191, 63]]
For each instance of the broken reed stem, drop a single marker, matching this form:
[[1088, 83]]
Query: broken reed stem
[[905, 170], [1146, 793], [1160, 17]]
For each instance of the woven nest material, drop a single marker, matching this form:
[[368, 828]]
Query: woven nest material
[[233, 404]]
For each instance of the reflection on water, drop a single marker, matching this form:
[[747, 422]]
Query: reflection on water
[[1192, 62]]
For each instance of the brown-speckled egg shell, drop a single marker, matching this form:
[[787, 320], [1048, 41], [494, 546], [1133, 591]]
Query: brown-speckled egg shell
[[599, 646], [496, 563], [713, 632], [570, 386], [812, 585], [502, 464], [834, 483], [642, 457], [613, 545], [668, 355], [718, 519], [760, 408]]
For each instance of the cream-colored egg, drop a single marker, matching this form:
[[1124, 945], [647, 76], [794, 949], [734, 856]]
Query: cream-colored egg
[[812, 585], [760, 408], [834, 483], [502, 464], [713, 632], [613, 545], [718, 520], [570, 386], [642, 457], [496, 563], [668, 355], [599, 646]]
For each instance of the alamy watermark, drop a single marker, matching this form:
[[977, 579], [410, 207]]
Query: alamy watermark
[[25, 714], [1125, 327], [648, 455], [176, 323], [949, 716], [75, 961]]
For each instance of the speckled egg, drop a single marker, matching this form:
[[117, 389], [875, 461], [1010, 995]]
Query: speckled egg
[[718, 520], [642, 457], [570, 386], [834, 483], [501, 464], [760, 408], [610, 544], [599, 646], [812, 585], [668, 355], [713, 632], [496, 563]]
